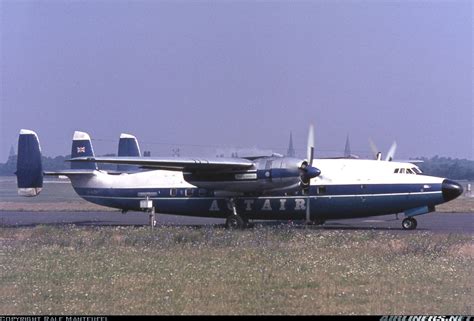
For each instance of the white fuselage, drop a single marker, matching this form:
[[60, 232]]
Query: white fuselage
[[345, 188]]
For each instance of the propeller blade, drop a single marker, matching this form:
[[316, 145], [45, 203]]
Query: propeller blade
[[310, 150], [309, 171], [374, 148], [391, 152]]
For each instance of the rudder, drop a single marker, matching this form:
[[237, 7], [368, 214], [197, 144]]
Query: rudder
[[29, 171]]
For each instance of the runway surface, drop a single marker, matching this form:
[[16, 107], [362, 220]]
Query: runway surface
[[432, 222]]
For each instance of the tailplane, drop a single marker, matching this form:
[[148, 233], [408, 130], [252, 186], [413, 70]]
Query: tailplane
[[29, 171], [82, 147]]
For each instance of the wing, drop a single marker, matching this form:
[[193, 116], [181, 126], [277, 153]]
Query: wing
[[176, 164]]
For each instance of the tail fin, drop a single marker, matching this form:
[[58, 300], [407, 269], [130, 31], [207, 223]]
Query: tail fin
[[128, 146], [82, 147], [29, 170]]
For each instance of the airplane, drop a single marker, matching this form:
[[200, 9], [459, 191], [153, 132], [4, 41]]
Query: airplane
[[242, 189]]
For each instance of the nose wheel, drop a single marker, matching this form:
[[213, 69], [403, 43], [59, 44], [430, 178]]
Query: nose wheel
[[409, 223]]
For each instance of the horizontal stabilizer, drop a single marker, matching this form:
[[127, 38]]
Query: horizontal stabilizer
[[69, 172]]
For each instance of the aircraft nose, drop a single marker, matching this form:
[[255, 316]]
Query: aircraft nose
[[451, 189]]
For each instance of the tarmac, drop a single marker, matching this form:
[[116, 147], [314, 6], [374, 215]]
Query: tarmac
[[432, 222]]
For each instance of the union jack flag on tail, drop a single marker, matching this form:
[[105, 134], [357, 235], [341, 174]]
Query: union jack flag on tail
[[82, 147]]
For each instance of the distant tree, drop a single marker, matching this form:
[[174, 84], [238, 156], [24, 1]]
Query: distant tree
[[448, 167]]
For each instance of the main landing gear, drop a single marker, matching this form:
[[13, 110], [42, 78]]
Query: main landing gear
[[316, 221], [235, 221], [409, 223]]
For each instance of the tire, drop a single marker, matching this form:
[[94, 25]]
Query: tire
[[409, 223], [319, 221], [234, 222]]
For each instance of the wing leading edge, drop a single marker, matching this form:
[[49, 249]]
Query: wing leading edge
[[176, 164]]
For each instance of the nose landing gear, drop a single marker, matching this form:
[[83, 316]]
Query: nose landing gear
[[409, 223]]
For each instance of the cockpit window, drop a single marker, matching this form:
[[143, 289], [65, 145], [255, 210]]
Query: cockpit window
[[417, 170], [413, 171]]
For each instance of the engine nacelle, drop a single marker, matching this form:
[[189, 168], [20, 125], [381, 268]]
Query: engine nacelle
[[269, 174]]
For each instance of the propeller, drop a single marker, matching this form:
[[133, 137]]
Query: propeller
[[378, 155], [308, 171]]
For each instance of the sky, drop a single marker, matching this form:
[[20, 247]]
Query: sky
[[210, 76]]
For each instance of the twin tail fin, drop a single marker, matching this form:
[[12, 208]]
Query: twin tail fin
[[29, 165], [29, 168], [128, 147], [82, 147]]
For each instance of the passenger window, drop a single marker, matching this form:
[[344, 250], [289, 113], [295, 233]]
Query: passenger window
[[321, 190], [173, 192], [402, 171], [409, 171], [396, 170], [189, 192]]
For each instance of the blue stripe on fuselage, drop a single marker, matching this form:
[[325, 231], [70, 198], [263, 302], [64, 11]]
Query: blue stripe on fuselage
[[334, 201], [322, 190]]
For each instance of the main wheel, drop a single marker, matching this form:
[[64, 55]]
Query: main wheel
[[319, 221], [409, 223], [234, 222]]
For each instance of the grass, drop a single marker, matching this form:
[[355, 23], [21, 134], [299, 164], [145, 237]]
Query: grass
[[265, 270], [459, 205]]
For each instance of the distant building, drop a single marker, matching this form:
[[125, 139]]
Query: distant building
[[12, 151], [12, 155], [291, 150], [347, 149]]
